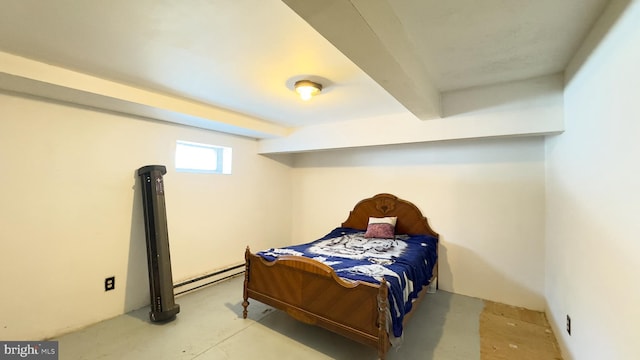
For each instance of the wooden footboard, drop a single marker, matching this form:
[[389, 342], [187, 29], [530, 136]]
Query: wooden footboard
[[311, 292]]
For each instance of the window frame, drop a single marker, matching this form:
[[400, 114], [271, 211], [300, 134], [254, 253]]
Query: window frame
[[223, 156]]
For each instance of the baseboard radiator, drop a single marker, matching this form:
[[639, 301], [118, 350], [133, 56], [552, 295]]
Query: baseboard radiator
[[208, 279]]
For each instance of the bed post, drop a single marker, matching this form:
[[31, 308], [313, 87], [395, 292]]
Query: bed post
[[245, 294], [383, 308]]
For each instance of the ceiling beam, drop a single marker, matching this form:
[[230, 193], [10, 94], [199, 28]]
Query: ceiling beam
[[376, 43], [22, 75], [532, 107]]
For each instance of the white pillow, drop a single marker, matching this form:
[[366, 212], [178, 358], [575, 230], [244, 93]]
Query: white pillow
[[384, 220]]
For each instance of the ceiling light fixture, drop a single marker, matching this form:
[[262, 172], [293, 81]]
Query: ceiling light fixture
[[307, 88]]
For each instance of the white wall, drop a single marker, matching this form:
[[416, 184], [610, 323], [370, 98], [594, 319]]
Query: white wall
[[71, 215], [485, 198], [593, 201]]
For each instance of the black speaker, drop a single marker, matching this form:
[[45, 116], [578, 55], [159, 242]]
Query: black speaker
[[163, 306]]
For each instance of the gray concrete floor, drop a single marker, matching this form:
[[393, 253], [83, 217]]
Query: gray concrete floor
[[210, 326]]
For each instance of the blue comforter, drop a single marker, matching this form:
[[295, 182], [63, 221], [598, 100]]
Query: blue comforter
[[406, 263]]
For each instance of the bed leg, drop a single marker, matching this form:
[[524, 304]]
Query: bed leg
[[383, 306], [245, 304], [245, 312], [245, 294]]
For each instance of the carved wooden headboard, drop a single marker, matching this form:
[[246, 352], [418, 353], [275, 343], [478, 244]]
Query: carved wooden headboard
[[410, 219]]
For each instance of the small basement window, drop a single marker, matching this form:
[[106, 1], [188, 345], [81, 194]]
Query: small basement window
[[202, 158]]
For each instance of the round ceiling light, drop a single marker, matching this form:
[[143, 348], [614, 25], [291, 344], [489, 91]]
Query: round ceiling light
[[307, 88]]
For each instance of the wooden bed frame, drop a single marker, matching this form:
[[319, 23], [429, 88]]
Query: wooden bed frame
[[311, 292]]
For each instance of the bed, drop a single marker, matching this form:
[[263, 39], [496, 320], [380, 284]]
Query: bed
[[364, 307]]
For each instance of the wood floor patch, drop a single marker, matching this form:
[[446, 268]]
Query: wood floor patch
[[509, 332]]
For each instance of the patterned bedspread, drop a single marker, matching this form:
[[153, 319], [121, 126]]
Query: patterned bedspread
[[405, 262]]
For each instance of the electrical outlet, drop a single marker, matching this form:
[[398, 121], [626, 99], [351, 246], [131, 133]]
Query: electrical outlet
[[568, 325], [110, 283]]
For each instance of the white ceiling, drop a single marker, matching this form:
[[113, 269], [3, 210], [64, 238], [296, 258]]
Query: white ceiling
[[374, 57]]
